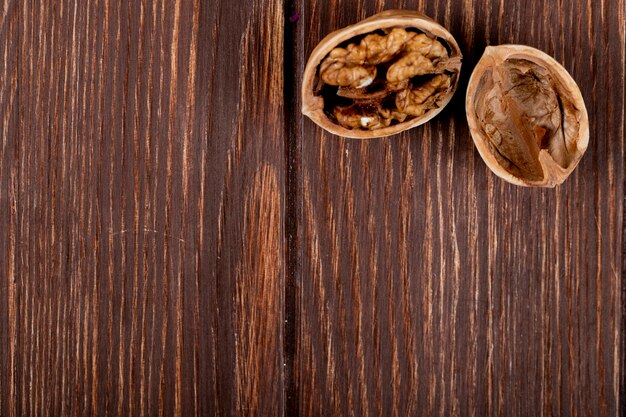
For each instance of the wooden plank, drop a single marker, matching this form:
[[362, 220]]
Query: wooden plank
[[9, 140], [150, 228], [427, 285]]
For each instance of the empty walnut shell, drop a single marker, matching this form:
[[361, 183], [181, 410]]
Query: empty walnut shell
[[386, 74], [526, 116]]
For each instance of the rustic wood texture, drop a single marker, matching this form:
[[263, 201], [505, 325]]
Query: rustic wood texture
[[9, 45], [431, 287], [175, 239], [142, 208]]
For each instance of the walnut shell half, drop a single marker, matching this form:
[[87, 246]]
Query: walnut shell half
[[526, 116], [386, 74]]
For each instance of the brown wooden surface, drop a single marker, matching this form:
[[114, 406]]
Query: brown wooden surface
[[431, 287], [142, 208], [175, 239]]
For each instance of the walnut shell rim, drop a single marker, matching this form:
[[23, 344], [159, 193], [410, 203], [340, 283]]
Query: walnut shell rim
[[554, 174], [313, 106]]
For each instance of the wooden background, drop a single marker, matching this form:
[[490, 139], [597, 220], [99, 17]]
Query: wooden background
[[176, 239]]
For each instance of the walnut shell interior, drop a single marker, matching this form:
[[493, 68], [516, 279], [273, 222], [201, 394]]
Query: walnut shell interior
[[386, 74], [526, 116]]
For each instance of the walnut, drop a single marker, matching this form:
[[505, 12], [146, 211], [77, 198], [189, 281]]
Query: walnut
[[526, 115], [345, 67], [367, 115], [379, 90], [369, 79], [430, 48], [419, 100], [380, 49]]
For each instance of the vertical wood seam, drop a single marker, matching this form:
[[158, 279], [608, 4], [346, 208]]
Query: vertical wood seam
[[293, 132]]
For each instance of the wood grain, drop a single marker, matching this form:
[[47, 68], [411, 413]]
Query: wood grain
[[9, 139], [428, 286], [142, 201], [176, 239]]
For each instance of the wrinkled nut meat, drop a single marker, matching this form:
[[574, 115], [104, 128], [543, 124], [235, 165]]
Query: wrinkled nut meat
[[389, 73], [526, 116]]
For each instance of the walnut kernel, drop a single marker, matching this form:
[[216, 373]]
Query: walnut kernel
[[381, 76]]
